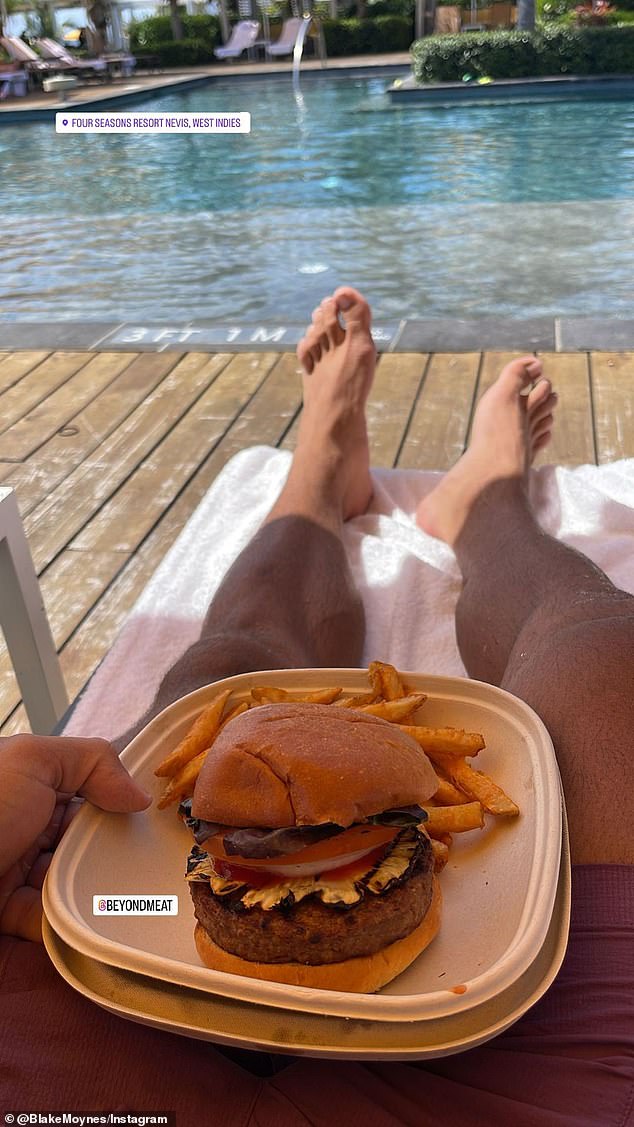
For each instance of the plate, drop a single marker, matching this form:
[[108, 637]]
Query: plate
[[499, 886], [196, 1013]]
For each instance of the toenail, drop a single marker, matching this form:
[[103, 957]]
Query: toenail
[[344, 303]]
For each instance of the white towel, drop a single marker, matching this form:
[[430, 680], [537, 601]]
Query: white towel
[[409, 581]]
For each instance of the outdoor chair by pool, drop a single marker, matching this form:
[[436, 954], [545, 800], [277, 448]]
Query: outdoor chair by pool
[[286, 42], [20, 52], [51, 50], [243, 36]]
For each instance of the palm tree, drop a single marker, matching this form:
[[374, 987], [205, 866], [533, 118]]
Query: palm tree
[[7, 7], [526, 15], [177, 23]]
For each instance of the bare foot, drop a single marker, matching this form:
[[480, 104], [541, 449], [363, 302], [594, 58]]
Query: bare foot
[[338, 365], [508, 430]]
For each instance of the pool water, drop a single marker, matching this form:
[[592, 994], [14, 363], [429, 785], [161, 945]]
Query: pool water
[[521, 210]]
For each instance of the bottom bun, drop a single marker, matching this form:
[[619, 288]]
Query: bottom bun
[[362, 975]]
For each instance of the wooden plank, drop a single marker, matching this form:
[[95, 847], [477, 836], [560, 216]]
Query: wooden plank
[[136, 507], [438, 430], [613, 396], [70, 587], [59, 408], [96, 635], [14, 365], [34, 387], [396, 384], [54, 522], [58, 457], [265, 419], [572, 443]]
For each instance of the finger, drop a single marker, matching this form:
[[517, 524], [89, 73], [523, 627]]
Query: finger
[[89, 767], [71, 811], [22, 915], [39, 870]]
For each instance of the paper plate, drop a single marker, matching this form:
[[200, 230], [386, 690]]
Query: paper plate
[[196, 1013], [499, 886]]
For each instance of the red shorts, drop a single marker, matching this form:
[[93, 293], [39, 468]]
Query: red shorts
[[569, 1062]]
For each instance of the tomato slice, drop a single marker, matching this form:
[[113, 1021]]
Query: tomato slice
[[260, 878], [358, 839]]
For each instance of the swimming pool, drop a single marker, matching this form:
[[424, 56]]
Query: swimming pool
[[520, 210]]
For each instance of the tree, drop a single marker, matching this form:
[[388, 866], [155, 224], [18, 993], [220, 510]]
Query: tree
[[526, 15], [7, 8], [177, 23]]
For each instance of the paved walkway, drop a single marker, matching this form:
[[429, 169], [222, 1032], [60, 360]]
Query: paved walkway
[[97, 95]]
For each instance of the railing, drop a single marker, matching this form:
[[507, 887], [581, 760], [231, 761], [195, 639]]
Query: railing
[[298, 49]]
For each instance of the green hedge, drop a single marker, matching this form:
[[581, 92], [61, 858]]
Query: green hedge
[[185, 53], [367, 37], [373, 36], [156, 32], [525, 54]]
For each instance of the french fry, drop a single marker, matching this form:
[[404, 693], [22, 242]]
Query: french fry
[[454, 819], [443, 743], [237, 711], [441, 855], [448, 795], [376, 682], [199, 737], [395, 709], [388, 678], [446, 839], [266, 694], [479, 786], [357, 702], [320, 696], [182, 784]]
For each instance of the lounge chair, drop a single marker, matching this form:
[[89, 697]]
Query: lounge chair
[[285, 44], [50, 50], [243, 36], [20, 52]]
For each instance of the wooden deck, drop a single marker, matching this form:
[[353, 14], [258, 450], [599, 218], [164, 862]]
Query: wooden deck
[[110, 452]]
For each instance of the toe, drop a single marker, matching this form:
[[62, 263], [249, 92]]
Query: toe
[[517, 375], [543, 408], [353, 308], [304, 355], [541, 441], [539, 394], [330, 322], [317, 317], [540, 426]]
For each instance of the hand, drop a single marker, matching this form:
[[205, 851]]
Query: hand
[[40, 777]]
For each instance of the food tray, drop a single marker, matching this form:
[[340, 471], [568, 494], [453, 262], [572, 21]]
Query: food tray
[[197, 1013], [499, 886]]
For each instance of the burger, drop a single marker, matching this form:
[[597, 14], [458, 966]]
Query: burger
[[311, 864]]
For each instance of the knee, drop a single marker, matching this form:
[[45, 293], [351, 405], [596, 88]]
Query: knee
[[575, 667], [216, 656]]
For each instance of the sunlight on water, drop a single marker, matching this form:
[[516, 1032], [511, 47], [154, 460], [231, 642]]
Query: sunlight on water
[[520, 210]]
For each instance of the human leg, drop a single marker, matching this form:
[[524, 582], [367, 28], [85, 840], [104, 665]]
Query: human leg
[[289, 599], [539, 618]]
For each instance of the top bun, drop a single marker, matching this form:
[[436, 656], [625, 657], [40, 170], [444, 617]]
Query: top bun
[[306, 764]]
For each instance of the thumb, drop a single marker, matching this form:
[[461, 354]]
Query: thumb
[[89, 767], [109, 786]]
